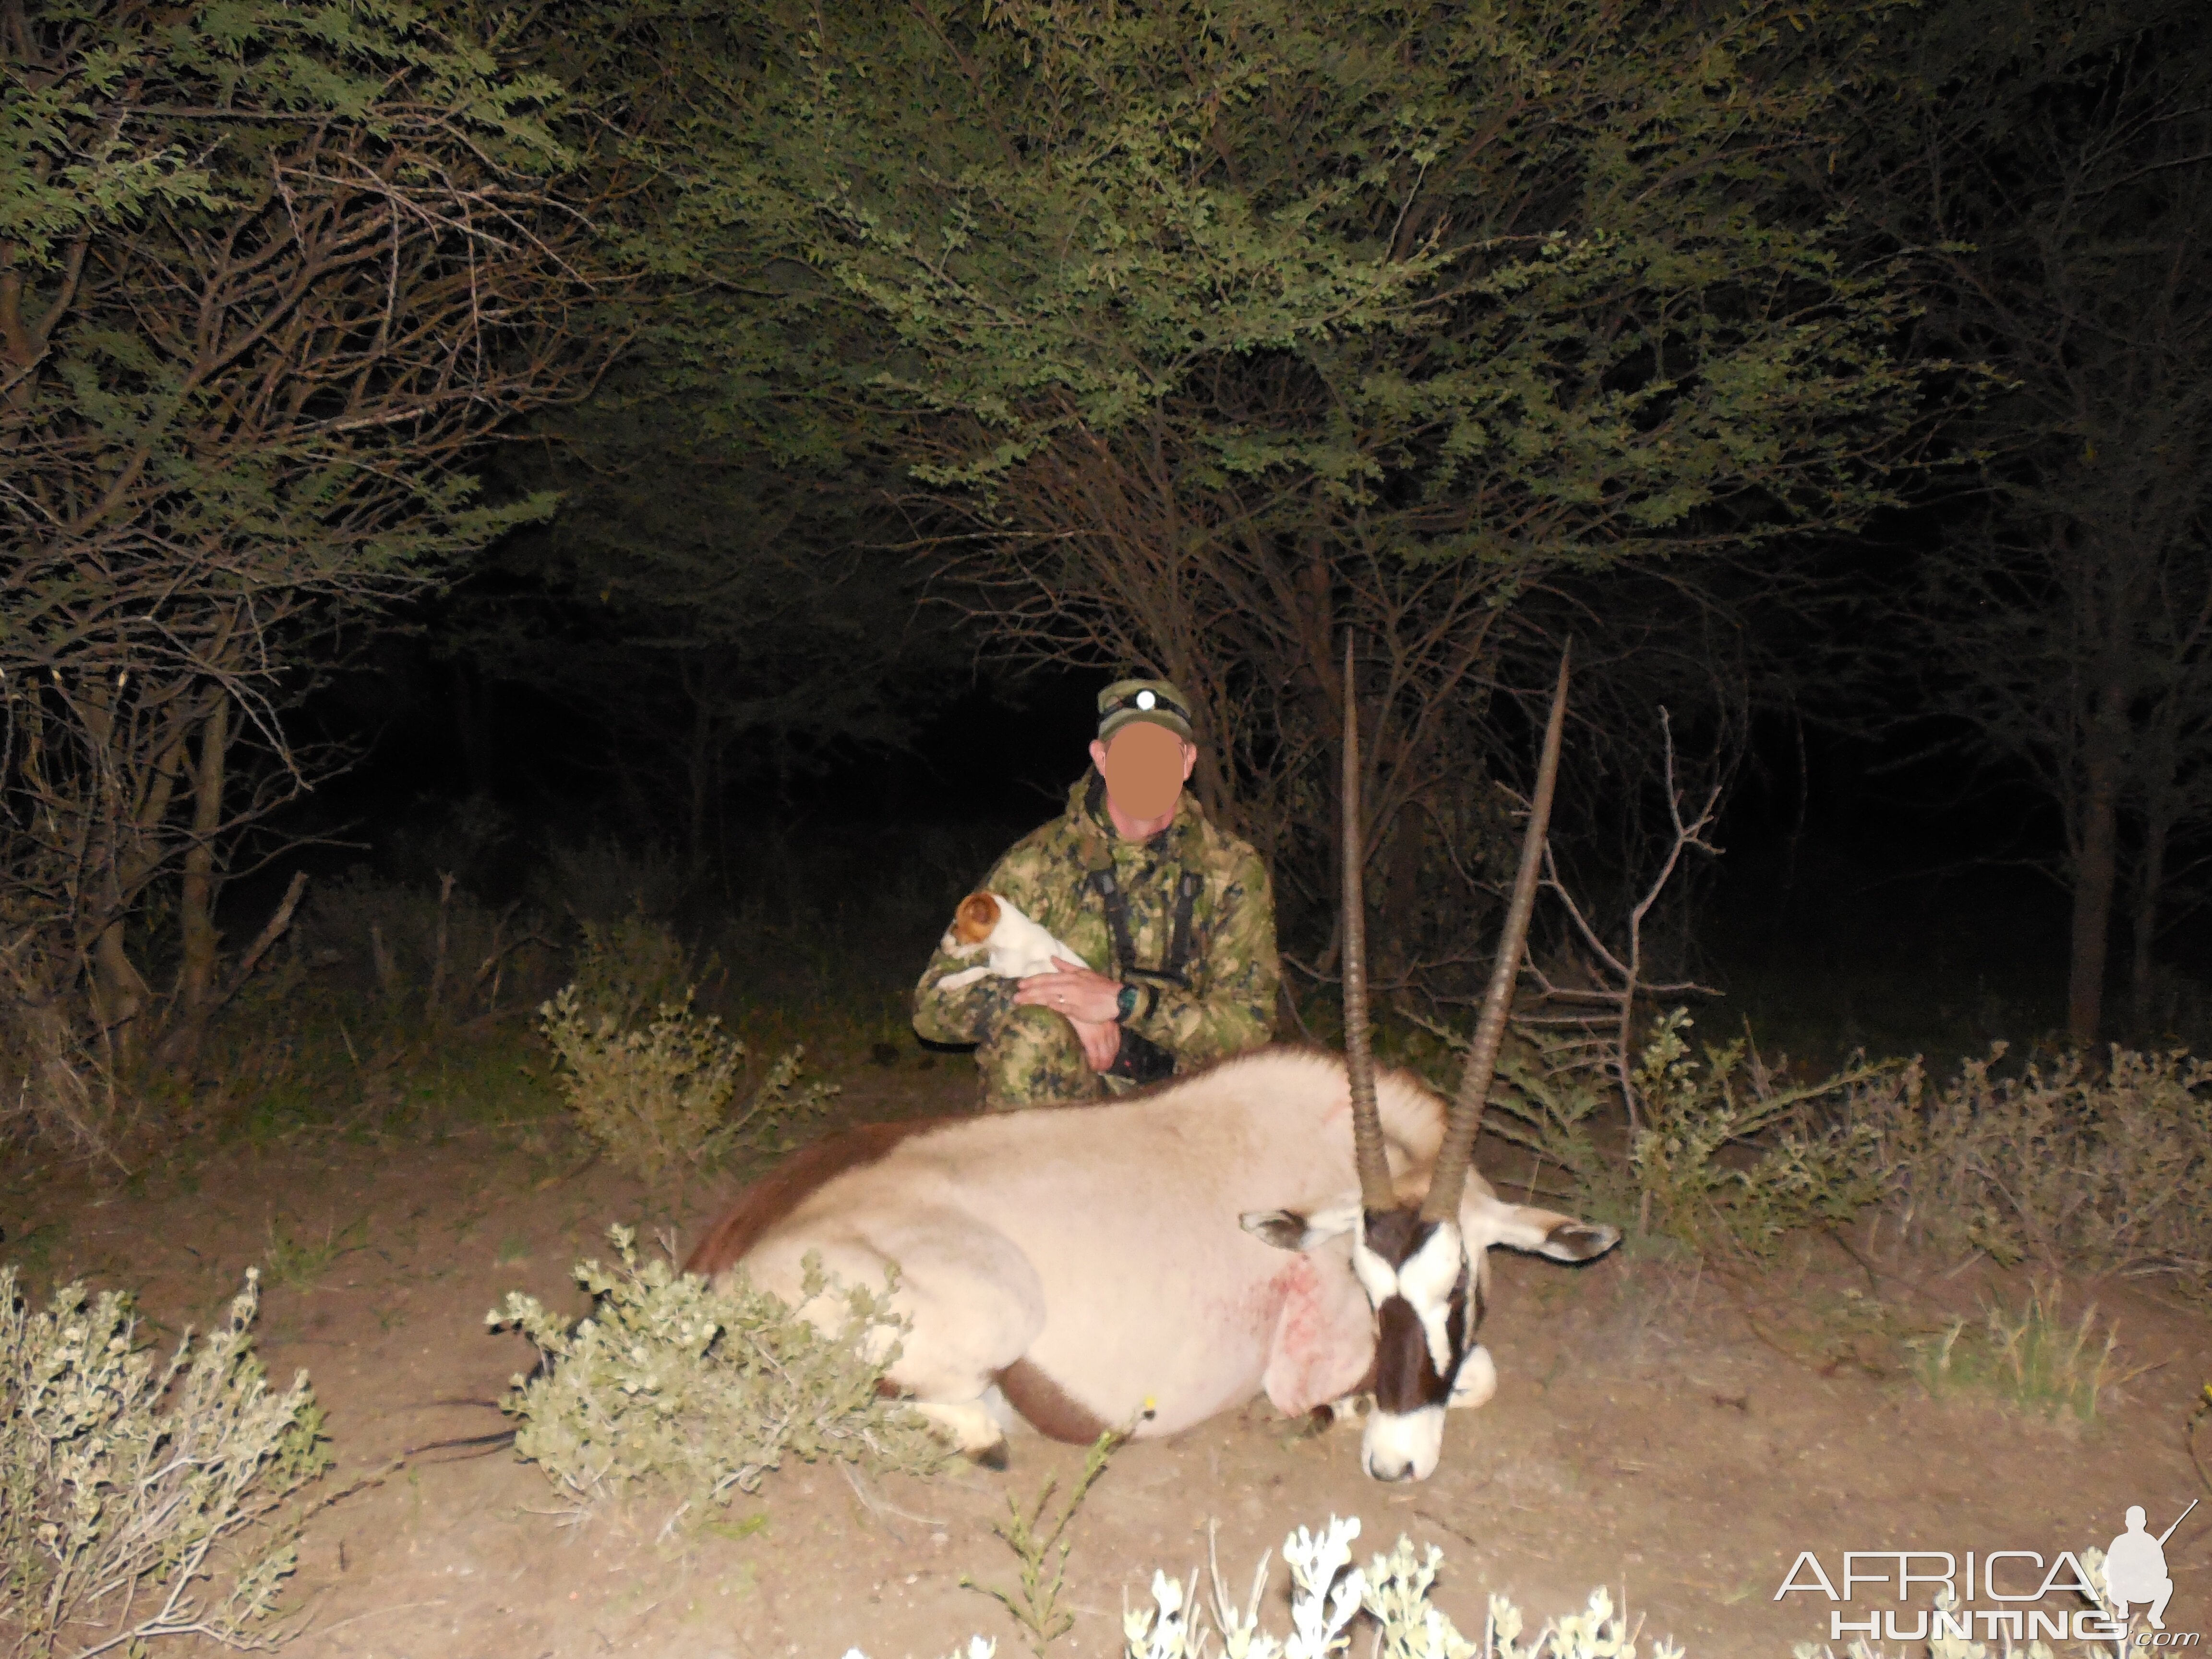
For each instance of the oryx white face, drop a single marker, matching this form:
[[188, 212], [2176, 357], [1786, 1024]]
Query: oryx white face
[[1419, 1283], [1416, 1276]]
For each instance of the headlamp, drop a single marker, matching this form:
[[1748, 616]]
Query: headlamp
[[1150, 702]]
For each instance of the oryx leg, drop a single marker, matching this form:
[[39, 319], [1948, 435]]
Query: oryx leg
[[1349, 1409], [1475, 1381], [975, 1305], [973, 1430]]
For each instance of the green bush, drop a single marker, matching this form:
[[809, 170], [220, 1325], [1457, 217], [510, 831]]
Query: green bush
[[134, 1497], [632, 965], [662, 1097], [1728, 1156], [704, 1387], [1695, 1179], [2074, 1169], [2108, 1173]]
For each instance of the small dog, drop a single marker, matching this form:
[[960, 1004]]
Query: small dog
[[1018, 946]]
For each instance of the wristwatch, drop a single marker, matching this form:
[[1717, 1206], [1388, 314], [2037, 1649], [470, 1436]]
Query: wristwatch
[[1125, 1005]]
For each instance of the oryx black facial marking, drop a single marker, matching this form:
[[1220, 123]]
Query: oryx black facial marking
[[1414, 1273], [1417, 1269], [1418, 1278]]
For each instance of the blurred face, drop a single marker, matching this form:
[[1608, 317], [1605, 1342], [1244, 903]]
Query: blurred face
[[1145, 766]]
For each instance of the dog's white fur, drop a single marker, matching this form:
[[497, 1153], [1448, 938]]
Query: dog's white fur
[[1015, 946]]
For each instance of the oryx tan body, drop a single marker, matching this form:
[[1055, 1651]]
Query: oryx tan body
[[1082, 1263]]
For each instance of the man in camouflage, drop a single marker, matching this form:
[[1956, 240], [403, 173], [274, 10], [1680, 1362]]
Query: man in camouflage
[[1175, 920]]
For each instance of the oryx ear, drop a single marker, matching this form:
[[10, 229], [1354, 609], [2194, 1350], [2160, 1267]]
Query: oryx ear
[[1542, 1232], [1577, 1241], [1286, 1230]]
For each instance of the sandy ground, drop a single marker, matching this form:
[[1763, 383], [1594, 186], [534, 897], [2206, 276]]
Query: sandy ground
[[1646, 1435]]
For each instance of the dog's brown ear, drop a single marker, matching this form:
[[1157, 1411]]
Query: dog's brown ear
[[977, 915]]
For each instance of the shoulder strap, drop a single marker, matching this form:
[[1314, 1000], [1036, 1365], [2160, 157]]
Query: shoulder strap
[[1180, 941], [1116, 905]]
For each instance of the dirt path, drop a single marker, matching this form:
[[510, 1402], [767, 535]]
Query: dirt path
[[1643, 1436]]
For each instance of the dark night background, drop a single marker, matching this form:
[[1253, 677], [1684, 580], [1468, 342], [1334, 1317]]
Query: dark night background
[[1863, 898]]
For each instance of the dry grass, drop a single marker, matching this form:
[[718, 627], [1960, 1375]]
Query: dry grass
[[2032, 1356]]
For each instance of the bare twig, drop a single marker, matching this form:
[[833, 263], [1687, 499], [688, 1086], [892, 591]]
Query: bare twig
[[1626, 963], [271, 931]]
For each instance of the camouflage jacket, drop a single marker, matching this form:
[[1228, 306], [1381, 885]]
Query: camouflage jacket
[[1227, 1003]]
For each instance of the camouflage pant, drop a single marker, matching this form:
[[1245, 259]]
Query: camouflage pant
[[1033, 1059]]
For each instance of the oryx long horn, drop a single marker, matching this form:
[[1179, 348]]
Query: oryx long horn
[[1374, 1193], [1466, 1121]]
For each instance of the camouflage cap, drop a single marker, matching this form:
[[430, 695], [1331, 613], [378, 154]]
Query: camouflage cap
[[1159, 702]]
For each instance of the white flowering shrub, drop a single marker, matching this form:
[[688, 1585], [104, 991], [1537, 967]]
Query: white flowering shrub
[[1327, 1594], [135, 1496], [664, 1096], [705, 1386]]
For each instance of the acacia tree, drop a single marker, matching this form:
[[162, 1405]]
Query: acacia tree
[[2059, 159], [267, 273], [1230, 329]]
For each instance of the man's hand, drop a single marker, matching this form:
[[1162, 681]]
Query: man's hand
[[1075, 991], [1088, 1001], [1100, 1044]]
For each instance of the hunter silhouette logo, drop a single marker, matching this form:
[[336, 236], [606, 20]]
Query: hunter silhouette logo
[[2135, 1568]]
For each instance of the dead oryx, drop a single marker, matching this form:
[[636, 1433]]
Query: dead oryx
[[1286, 1221]]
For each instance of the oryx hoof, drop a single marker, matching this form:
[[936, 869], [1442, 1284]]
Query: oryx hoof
[[1323, 1417], [969, 1425]]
